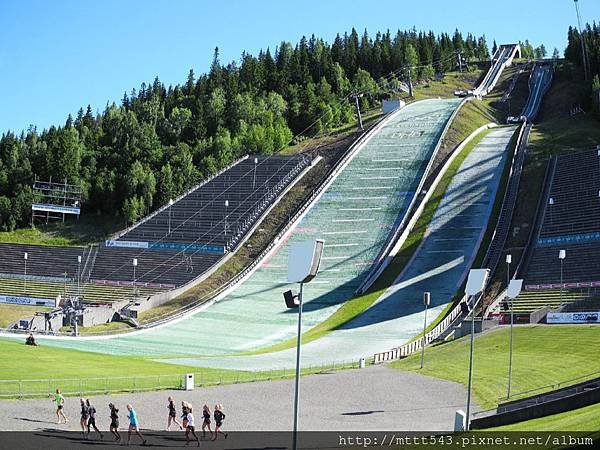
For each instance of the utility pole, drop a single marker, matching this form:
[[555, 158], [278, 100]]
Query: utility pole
[[410, 85], [583, 52], [356, 96], [460, 66]]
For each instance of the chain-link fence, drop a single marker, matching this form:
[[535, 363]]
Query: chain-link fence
[[20, 389]]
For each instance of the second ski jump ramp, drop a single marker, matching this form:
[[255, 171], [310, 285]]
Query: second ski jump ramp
[[500, 60]]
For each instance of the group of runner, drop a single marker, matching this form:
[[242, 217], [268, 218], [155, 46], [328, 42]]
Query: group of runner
[[188, 421], [88, 419]]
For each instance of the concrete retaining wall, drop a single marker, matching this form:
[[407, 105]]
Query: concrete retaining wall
[[575, 401]]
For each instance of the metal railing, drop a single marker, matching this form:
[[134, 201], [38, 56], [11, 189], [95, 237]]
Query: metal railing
[[500, 234], [20, 389], [412, 347]]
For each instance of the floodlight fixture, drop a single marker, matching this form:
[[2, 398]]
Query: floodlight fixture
[[514, 288], [304, 260], [476, 281]]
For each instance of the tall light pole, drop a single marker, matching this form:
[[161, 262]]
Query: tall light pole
[[25, 256], [426, 302], [475, 285], [225, 226], [562, 254], [78, 276], [254, 179], [303, 265], [512, 291], [582, 40], [508, 261], [65, 283], [135, 263], [170, 206]]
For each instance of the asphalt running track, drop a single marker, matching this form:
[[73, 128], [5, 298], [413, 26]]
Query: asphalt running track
[[376, 398], [354, 216]]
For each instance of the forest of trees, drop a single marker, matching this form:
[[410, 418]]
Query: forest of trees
[[573, 54], [135, 156]]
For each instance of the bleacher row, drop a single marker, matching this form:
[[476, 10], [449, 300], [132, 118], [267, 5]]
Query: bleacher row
[[178, 233], [42, 261], [573, 213], [203, 216], [155, 267], [575, 195]]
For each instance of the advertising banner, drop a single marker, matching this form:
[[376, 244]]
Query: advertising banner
[[31, 301], [573, 317], [55, 208]]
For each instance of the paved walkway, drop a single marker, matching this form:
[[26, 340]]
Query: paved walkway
[[376, 398]]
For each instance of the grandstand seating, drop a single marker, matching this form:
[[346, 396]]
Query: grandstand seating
[[575, 194], [202, 216], [582, 264], [157, 268], [528, 302], [43, 261], [182, 240], [571, 221]]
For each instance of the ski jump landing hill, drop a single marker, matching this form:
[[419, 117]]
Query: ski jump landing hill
[[539, 83], [354, 214]]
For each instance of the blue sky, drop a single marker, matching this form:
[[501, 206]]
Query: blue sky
[[58, 56]]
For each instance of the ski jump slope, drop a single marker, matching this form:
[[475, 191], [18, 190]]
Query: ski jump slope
[[440, 265], [501, 59], [353, 216], [539, 83]]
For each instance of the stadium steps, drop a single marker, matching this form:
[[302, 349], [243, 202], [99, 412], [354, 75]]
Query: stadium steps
[[91, 293], [530, 301], [587, 304]]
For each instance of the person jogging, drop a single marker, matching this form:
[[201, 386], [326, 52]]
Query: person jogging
[[191, 428], [92, 419], [219, 418], [114, 421], [134, 425], [172, 415], [85, 414], [206, 421], [60, 406], [184, 412]]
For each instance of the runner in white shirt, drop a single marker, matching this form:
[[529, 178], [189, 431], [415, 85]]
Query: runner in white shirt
[[190, 426]]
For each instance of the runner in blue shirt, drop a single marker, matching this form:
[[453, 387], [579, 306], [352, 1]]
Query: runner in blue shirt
[[134, 425]]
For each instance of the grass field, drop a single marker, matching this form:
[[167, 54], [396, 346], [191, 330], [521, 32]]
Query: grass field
[[87, 230], [37, 371], [452, 81], [12, 313], [543, 356]]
